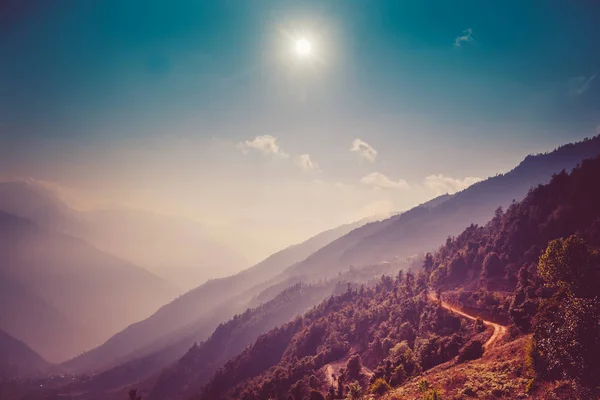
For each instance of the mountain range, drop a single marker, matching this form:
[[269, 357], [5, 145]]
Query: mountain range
[[195, 314], [176, 249], [152, 350], [62, 296], [390, 333]]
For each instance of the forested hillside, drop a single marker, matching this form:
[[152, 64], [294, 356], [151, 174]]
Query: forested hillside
[[423, 228], [396, 332], [543, 250], [194, 315], [389, 332]]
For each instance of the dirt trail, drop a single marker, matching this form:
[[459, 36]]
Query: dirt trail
[[499, 330]]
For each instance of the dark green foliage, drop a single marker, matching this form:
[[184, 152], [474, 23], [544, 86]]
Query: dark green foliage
[[377, 322], [354, 391], [316, 395], [230, 338], [380, 387], [573, 265], [472, 351], [398, 334], [492, 265], [432, 394], [503, 254], [479, 325], [567, 328], [354, 366]]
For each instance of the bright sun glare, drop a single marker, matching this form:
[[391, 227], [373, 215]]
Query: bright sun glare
[[303, 47]]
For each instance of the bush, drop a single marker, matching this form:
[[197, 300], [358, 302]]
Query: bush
[[354, 391], [380, 387], [479, 325], [316, 395], [492, 265], [423, 385], [472, 351], [354, 366], [432, 394], [398, 376]]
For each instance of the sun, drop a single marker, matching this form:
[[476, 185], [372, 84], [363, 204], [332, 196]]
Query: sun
[[303, 47]]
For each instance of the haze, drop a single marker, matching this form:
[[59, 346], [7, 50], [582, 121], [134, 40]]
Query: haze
[[203, 110]]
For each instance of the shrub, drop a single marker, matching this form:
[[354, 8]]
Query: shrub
[[472, 351], [354, 366], [423, 385], [380, 387], [529, 388], [354, 391], [316, 395], [432, 394], [479, 325], [492, 265], [398, 376], [530, 356]]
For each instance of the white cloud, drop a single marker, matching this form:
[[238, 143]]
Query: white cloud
[[364, 149], [441, 184], [578, 85], [379, 180], [306, 164], [466, 38], [266, 144]]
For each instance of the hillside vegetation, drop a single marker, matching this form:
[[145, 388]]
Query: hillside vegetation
[[540, 255]]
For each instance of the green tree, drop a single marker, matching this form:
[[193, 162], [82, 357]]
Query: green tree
[[354, 366], [380, 387], [316, 395], [492, 265], [571, 264], [354, 391], [566, 329]]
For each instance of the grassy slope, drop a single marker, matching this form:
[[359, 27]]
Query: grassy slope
[[502, 372]]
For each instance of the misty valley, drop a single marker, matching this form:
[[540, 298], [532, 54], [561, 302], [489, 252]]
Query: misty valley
[[299, 200]]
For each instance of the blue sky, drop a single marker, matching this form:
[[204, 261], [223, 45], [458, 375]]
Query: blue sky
[[201, 108]]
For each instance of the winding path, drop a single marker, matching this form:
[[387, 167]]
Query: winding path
[[499, 330]]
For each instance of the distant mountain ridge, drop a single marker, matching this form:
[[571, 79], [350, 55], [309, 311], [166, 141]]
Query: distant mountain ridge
[[176, 249], [188, 316], [423, 228], [18, 360], [417, 230], [61, 295]]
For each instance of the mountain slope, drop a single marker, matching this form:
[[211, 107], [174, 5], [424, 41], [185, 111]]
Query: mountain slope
[[17, 359], [423, 228], [62, 295], [176, 249], [417, 230], [294, 360], [195, 314], [35, 203], [388, 329]]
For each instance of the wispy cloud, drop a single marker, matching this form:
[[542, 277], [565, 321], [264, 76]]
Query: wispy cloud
[[266, 144], [379, 180], [441, 184], [365, 150], [306, 164], [578, 85], [467, 37]]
